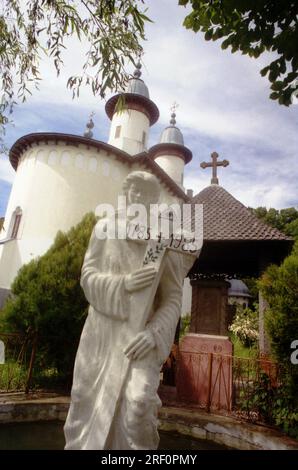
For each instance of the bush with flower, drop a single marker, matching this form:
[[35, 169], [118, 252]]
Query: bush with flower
[[245, 325]]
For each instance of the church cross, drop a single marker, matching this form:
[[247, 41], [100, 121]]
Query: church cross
[[174, 107], [214, 164]]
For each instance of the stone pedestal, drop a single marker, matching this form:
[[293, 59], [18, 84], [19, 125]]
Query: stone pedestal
[[204, 372], [209, 309]]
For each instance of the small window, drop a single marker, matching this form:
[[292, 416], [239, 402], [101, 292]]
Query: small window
[[117, 132], [16, 219], [144, 138]]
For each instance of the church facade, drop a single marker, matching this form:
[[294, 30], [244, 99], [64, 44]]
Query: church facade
[[61, 177]]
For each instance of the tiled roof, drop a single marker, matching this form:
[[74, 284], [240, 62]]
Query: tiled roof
[[225, 218]]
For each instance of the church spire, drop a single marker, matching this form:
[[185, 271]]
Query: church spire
[[130, 124], [170, 153], [89, 126], [173, 115], [138, 71]]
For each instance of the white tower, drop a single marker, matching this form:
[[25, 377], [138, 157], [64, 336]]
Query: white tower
[[171, 154], [130, 126]]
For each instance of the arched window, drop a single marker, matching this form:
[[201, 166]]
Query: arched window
[[15, 222]]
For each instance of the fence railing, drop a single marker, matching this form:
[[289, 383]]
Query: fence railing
[[218, 382], [17, 360]]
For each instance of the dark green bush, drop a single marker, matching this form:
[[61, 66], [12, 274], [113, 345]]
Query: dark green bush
[[279, 286], [47, 297]]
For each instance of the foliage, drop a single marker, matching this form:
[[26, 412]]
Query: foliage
[[275, 404], [291, 229], [279, 286], [253, 288], [112, 31], [254, 28], [184, 326], [285, 408], [13, 376], [285, 220], [239, 350], [245, 325], [47, 297]]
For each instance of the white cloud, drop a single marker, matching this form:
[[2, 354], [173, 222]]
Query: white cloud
[[224, 106], [276, 196]]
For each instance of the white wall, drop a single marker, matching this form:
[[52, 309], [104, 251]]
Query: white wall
[[55, 186], [133, 123], [173, 166]]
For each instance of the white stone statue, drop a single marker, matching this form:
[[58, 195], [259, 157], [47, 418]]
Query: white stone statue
[[128, 334]]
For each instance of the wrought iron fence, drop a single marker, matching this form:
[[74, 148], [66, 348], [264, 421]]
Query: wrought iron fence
[[17, 360], [218, 382]]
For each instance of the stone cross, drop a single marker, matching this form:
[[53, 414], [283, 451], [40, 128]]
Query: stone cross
[[214, 164]]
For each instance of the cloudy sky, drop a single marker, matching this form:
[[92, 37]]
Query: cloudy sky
[[223, 107]]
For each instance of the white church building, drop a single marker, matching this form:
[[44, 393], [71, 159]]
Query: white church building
[[60, 177]]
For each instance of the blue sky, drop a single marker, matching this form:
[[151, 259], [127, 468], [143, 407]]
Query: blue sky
[[223, 107]]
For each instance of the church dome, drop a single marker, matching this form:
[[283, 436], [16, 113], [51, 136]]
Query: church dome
[[238, 289], [138, 87], [171, 135], [136, 95], [171, 143]]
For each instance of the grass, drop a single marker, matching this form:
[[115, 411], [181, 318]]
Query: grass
[[243, 351], [12, 376]]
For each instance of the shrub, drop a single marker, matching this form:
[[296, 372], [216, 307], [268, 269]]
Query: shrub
[[47, 297], [275, 405], [184, 326], [279, 286], [245, 325]]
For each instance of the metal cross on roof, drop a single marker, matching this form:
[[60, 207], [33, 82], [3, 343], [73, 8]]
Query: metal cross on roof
[[174, 107], [173, 114], [214, 164]]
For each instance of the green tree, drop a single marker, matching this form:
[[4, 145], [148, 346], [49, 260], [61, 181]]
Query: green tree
[[111, 30], [254, 27], [291, 229], [279, 285], [284, 219], [48, 298]]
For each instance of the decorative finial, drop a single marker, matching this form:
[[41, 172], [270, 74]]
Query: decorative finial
[[90, 124], [137, 73], [214, 164], [173, 115]]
